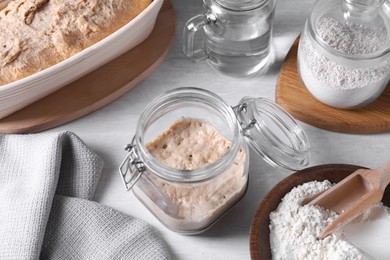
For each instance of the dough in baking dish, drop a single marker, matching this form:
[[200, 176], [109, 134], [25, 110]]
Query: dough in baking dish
[[36, 34]]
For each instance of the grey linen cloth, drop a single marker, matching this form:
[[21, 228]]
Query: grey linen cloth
[[46, 183]]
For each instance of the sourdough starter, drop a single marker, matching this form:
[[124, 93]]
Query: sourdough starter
[[187, 145]]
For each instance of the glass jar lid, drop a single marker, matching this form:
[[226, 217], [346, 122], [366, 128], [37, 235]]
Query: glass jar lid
[[273, 133]]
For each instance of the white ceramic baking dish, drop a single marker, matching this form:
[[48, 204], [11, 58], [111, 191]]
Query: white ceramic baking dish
[[21, 93]]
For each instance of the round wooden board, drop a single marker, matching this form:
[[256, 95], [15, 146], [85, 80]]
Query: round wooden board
[[99, 87], [293, 96], [259, 232]]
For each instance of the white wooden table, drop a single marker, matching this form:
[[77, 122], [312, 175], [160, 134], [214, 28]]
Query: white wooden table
[[109, 129]]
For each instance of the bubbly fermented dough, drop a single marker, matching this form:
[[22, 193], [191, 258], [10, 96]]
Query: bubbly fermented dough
[[191, 144]]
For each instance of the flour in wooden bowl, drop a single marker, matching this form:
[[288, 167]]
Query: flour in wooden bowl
[[294, 228]]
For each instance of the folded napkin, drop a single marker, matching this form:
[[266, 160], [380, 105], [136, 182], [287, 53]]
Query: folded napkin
[[46, 183]]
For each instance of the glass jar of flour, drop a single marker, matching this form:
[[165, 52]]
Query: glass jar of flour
[[235, 36], [344, 51], [188, 161]]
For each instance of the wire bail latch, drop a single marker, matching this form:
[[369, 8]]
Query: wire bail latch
[[131, 168]]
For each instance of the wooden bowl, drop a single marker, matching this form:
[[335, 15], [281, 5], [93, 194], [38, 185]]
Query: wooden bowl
[[259, 232]]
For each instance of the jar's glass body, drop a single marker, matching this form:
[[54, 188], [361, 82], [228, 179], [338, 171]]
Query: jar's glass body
[[189, 199], [236, 37], [343, 56], [191, 208]]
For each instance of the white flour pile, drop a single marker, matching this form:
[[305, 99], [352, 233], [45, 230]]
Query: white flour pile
[[336, 84], [351, 38], [294, 229]]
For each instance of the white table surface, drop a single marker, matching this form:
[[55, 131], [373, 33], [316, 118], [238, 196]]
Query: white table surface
[[109, 129]]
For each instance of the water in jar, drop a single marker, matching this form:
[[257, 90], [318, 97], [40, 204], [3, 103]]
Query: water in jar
[[240, 47]]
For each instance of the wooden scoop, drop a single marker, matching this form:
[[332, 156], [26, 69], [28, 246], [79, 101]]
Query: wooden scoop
[[353, 195]]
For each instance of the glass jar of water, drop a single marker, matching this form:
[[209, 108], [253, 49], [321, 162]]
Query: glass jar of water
[[234, 36]]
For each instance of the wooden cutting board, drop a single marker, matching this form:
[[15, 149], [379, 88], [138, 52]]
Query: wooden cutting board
[[292, 96], [99, 87]]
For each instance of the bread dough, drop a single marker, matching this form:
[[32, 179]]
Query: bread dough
[[36, 34]]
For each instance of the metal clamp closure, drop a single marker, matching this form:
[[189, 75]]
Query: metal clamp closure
[[131, 168]]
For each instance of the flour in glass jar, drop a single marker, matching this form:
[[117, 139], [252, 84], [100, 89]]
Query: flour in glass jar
[[332, 82]]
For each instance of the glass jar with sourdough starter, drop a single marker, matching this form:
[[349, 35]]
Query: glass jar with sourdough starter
[[344, 51], [189, 199]]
